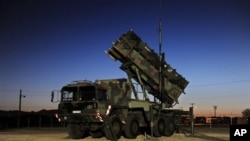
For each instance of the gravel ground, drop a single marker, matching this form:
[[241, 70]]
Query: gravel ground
[[56, 134]]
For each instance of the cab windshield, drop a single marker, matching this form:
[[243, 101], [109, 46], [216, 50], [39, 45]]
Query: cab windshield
[[69, 93], [84, 93]]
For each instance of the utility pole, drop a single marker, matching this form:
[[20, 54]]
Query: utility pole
[[19, 110]]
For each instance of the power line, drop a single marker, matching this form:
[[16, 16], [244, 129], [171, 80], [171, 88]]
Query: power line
[[221, 83], [27, 92]]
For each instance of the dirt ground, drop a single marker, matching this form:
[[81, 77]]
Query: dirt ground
[[56, 134]]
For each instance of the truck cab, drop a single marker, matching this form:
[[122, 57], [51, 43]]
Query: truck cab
[[80, 99], [84, 104]]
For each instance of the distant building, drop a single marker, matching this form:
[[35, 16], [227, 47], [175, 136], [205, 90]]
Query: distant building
[[243, 120], [200, 120]]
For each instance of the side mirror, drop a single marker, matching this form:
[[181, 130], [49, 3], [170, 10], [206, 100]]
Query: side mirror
[[52, 96], [55, 96]]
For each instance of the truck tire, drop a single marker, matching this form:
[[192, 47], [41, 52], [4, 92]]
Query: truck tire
[[75, 131], [116, 125], [159, 127], [131, 128], [170, 127], [96, 134]]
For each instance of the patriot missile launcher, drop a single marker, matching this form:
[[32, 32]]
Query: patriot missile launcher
[[148, 68], [107, 107]]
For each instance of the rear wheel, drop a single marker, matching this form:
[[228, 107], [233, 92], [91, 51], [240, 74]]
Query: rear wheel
[[75, 131], [131, 128], [159, 127], [170, 127], [114, 128]]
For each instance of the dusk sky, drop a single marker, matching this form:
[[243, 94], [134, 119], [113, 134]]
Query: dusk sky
[[45, 44]]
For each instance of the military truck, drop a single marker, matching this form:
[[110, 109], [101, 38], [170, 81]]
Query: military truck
[[112, 107]]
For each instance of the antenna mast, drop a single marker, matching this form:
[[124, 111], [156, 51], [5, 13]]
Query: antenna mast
[[161, 55], [160, 29], [160, 36]]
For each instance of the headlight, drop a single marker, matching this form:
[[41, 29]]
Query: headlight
[[65, 118], [98, 116]]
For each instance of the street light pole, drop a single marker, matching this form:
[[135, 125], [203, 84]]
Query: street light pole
[[215, 108], [192, 118]]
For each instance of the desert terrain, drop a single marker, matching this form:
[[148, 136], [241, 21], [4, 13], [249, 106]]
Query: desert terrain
[[60, 134]]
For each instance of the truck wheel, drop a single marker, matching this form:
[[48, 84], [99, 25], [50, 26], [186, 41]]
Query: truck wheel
[[131, 128], [74, 131], [159, 127], [116, 128], [170, 127], [96, 134]]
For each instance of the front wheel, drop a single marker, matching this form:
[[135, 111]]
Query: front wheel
[[114, 128], [96, 134], [75, 131]]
